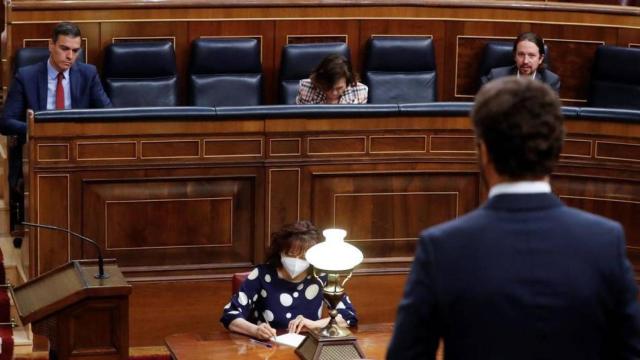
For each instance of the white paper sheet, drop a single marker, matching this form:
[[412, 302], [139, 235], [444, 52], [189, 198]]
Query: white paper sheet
[[290, 339]]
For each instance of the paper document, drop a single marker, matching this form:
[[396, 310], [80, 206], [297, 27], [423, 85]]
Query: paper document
[[290, 339]]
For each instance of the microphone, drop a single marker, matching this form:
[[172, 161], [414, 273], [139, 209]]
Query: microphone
[[100, 274]]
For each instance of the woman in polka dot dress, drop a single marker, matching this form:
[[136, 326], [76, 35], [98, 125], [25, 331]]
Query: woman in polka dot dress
[[283, 294]]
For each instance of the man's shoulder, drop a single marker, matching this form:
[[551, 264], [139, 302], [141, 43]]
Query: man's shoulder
[[549, 76], [84, 68]]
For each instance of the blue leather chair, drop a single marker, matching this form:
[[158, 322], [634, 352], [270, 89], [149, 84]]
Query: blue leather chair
[[225, 72], [400, 70], [615, 78], [499, 54], [31, 55], [298, 60], [141, 74]]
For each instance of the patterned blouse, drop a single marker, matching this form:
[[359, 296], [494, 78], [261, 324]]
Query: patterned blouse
[[309, 94], [265, 296]]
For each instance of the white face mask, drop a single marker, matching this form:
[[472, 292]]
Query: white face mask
[[294, 266]]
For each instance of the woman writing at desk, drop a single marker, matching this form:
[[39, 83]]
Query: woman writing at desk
[[283, 294]]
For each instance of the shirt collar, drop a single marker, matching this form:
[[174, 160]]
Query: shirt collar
[[53, 73], [520, 187], [533, 76]]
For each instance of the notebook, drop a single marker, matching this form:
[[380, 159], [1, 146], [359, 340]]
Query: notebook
[[290, 339]]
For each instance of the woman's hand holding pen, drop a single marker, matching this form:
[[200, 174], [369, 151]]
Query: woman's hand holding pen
[[265, 332]]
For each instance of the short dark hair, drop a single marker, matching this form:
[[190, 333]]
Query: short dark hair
[[330, 70], [302, 234], [520, 122], [65, 29]]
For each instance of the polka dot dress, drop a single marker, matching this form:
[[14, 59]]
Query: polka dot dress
[[264, 296]]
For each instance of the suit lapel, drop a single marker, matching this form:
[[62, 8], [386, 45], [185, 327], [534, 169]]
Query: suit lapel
[[43, 86], [74, 82]]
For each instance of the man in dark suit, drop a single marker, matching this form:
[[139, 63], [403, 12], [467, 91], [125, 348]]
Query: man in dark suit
[[523, 276], [57, 83], [528, 55]]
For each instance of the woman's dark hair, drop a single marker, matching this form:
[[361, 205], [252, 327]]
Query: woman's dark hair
[[534, 38], [521, 125], [302, 234], [65, 29], [330, 70]]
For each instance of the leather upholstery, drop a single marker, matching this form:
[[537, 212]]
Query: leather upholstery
[[31, 55], [225, 72], [297, 62], [615, 79], [125, 114], [498, 54], [603, 114], [400, 70], [141, 74]]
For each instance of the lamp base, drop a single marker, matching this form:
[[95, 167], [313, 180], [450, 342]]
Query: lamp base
[[318, 347]]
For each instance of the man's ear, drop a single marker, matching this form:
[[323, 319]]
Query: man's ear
[[483, 154], [51, 45]]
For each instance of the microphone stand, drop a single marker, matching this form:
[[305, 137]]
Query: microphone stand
[[101, 274]]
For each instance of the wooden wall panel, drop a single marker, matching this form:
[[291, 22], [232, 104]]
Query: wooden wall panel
[[146, 221], [283, 204], [628, 37], [259, 29], [363, 204], [52, 206], [433, 28]]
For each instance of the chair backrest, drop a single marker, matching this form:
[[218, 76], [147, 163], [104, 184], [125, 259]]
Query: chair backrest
[[615, 78], [225, 72], [297, 62], [400, 70], [499, 54], [236, 281], [141, 74], [32, 55]]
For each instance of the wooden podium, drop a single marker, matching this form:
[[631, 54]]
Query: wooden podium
[[82, 316]]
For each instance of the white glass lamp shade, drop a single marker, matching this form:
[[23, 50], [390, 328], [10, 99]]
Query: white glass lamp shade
[[334, 254]]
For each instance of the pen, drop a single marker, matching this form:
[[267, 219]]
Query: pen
[[267, 322], [260, 342]]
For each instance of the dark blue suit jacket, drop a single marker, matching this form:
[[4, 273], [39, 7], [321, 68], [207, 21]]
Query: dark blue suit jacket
[[522, 277], [29, 91], [546, 76]]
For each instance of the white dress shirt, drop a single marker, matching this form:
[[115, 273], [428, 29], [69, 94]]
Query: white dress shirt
[[52, 83], [520, 187]]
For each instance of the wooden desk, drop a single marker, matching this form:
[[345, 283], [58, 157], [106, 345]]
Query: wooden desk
[[374, 340]]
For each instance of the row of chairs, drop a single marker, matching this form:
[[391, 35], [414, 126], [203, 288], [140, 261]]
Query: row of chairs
[[228, 72]]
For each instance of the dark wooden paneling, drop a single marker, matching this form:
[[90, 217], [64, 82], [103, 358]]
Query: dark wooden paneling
[[169, 149], [397, 144], [144, 221], [285, 146], [52, 152], [337, 145], [385, 211], [107, 150], [453, 143], [283, 205], [52, 205], [617, 151], [577, 148], [233, 147]]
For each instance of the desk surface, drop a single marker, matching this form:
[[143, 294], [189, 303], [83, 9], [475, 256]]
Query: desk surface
[[373, 340]]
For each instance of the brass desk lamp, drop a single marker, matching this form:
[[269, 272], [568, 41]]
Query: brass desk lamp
[[337, 259]]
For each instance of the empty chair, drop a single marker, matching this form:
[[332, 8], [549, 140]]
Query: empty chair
[[400, 70], [141, 74], [615, 79], [225, 72], [298, 60]]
